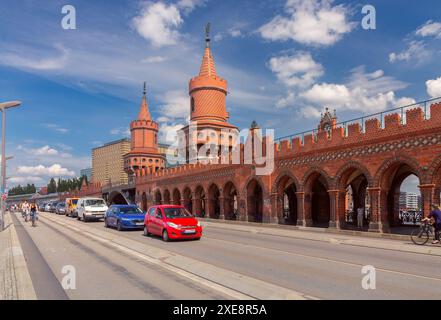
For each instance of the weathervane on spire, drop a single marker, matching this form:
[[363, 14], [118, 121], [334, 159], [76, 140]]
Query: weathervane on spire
[[145, 88], [207, 34]]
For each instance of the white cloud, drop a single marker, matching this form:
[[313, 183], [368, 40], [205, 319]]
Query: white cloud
[[154, 59], [55, 170], [159, 22], [310, 112], [121, 131], [189, 5], [45, 151], [57, 128], [17, 59], [286, 101], [434, 87], [299, 70], [332, 94], [168, 132], [175, 105], [417, 50], [364, 92], [314, 22], [24, 180], [430, 28]]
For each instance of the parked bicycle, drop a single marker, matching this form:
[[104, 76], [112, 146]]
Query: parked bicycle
[[421, 235]]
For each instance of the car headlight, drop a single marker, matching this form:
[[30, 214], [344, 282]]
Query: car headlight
[[199, 224], [173, 225]]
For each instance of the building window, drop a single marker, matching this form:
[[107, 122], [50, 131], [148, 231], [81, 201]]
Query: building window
[[192, 104]]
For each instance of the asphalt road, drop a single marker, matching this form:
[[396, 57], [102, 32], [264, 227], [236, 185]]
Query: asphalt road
[[318, 269]]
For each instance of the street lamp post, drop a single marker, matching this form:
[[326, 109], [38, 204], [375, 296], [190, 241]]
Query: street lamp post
[[3, 107]]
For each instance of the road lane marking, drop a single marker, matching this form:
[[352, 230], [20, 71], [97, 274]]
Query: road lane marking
[[234, 293], [324, 259]]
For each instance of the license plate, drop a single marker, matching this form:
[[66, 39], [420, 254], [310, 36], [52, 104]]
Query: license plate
[[189, 231], [140, 223]]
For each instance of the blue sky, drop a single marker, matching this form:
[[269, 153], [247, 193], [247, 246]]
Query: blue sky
[[284, 61]]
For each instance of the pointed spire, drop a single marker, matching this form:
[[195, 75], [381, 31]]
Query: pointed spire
[[144, 113], [208, 68]]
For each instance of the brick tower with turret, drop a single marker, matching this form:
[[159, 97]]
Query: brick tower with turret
[[144, 157]]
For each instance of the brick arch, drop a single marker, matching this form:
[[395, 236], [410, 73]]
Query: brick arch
[[254, 202], [166, 196], [214, 193], [312, 171], [230, 212], [389, 179], [399, 160], [244, 186], [351, 165], [176, 196], [281, 175], [157, 196], [286, 201], [433, 174]]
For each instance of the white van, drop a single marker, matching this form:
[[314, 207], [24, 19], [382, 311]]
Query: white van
[[91, 209]]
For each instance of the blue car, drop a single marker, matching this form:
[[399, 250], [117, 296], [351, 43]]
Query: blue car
[[124, 217]]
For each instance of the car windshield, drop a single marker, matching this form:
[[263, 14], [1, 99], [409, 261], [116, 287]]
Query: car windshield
[[74, 201], [130, 210], [95, 203], [61, 204], [172, 213]]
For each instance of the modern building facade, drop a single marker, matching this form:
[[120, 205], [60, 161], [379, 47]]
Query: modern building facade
[[108, 162], [410, 201], [86, 172]]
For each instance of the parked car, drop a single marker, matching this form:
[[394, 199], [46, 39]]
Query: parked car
[[124, 217], [71, 207], [91, 209], [47, 207], [52, 206], [171, 222], [60, 208]]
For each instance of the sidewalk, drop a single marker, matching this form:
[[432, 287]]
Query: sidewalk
[[343, 237], [15, 281]]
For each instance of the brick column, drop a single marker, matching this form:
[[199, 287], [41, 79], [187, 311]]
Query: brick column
[[436, 196], [334, 202], [222, 208], [194, 206], [375, 224], [301, 217], [242, 214], [427, 194], [274, 214]]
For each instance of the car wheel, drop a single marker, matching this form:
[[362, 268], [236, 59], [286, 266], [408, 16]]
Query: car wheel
[[78, 217], [119, 226], [198, 238], [85, 219], [146, 232], [165, 236], [106, 225]]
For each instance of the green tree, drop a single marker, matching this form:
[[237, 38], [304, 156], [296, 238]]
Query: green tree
[[52, 186]]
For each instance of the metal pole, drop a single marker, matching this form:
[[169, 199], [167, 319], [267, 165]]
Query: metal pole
[[3, 204]]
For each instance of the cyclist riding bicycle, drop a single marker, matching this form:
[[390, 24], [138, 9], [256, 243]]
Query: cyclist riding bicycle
[[435, 214]]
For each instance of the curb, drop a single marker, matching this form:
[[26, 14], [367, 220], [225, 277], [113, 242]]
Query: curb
[[25, 288]]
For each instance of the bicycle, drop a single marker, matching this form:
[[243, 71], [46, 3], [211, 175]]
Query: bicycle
[[34, 219], [421, 235]]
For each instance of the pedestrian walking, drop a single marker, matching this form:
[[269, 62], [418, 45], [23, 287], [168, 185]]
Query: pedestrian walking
[[360, 217]]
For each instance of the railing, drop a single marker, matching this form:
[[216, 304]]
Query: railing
[[424, 105], [411, 217]]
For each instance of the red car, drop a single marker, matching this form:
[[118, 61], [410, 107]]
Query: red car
[[171, 222]]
